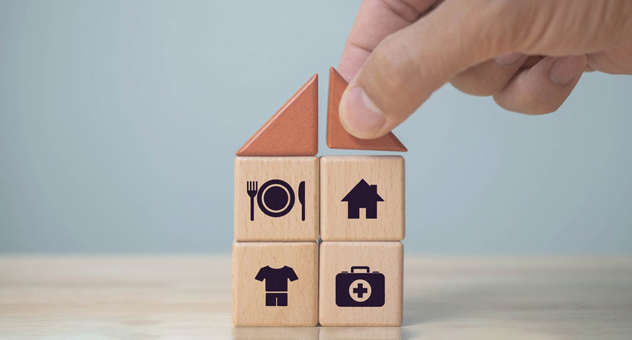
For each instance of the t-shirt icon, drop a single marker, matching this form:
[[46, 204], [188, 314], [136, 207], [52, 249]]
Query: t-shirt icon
[[276, 283]]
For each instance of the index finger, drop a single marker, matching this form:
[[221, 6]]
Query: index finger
[[376, 20]]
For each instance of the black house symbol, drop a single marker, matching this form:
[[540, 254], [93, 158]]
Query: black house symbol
[[364, 196]]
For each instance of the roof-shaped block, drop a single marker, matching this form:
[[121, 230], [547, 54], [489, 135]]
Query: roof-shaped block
[[292, 131], [338, 137]]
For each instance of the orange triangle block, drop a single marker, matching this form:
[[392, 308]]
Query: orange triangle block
[[292, 131], [338, 137]]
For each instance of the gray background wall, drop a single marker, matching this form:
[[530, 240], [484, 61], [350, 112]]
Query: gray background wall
[[119, 121]]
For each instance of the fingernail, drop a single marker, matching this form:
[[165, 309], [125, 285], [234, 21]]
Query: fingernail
[[509, 59], [565, 69], [359, 115]]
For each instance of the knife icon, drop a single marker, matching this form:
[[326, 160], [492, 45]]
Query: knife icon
[[301, 198]]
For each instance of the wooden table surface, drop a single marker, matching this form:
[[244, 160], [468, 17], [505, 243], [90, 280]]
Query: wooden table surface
[[189, 297]]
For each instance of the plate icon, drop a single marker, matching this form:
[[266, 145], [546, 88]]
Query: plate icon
[[275, 198]]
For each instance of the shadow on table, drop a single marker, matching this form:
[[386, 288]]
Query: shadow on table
[[360, 333], [317, 333], [276, 333]]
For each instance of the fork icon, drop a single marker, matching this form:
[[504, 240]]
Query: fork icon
[[251, 188]]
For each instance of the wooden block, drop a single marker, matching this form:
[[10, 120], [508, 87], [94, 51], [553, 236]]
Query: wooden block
[[285, 198], [362, 198], [361, 283], [275, 284], [292, 131], [338, 137]]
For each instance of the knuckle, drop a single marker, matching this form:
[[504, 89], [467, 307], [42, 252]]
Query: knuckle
[[528, 103], [477, 84], [499, 99], [397, 62], [485, 79], [538, 101], [502, 22], [564, 27], [474, 88], [539, 110], [532, 27], [396, 74]]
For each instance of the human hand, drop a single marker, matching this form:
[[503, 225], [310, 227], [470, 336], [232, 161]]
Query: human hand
[[527, 54]]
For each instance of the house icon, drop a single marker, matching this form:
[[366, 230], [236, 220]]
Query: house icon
[[364, 196]]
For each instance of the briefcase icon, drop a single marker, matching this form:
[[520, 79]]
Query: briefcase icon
[[364, 289]]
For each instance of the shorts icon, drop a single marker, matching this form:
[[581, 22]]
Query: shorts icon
[[276, 299]]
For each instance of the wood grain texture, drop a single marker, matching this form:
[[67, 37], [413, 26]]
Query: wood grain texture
[[339, 175], [290, 227], [291, 131], [77, 297], [384, 257], [338, 137], [249, 294]]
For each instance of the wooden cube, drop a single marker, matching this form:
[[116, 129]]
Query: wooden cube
[[276, 198], [361, 283], [275, 283], [362, 198]]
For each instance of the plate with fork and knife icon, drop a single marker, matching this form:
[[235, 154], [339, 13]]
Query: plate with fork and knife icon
[[275, 197]]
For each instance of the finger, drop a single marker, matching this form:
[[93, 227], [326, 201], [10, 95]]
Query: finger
[[407, 66], [544, 87], [491, 76], [615, 61], [376, 20]]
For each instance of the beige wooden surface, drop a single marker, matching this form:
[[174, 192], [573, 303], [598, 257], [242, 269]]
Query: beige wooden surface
[[290, 227], [249, 295], [383, 257], [339, 175], [188, 297]]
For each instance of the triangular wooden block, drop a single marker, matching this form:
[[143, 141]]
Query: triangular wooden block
[[338, 137], [292, 131]]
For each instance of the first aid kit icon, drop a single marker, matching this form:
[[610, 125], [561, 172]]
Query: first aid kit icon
[[356, 289]]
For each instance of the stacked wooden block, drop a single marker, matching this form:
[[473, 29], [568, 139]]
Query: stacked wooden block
[[285, 198], [361, 258]]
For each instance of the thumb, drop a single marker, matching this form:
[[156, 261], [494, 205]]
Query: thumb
[[409, 65]]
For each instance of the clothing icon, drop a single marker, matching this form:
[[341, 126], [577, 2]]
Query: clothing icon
[[275, 198], [360, 289], [276, 283], [364, 196]]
